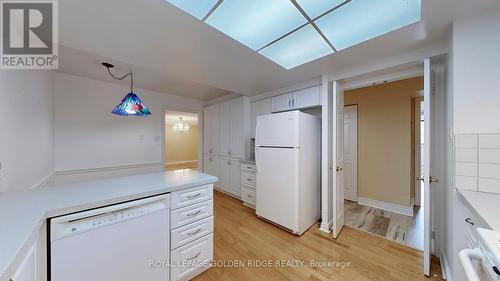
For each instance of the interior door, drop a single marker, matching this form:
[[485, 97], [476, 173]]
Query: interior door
[[351, 153], [428, 168], [338, 155]]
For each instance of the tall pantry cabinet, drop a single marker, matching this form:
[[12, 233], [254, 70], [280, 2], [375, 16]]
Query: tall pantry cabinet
[[226, 137]]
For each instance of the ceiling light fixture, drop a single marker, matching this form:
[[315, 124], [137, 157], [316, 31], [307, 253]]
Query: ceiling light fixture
[[181, 127], [130, 104]]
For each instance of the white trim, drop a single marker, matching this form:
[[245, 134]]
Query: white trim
[[105, 169], [398, 209], [326, 227], [390, 77], [445, 267], [44, 181], [181, 162]]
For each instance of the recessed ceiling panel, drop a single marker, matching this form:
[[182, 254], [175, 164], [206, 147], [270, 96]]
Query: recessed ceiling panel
[[197, 8], [256, 23], [361, 20], [315, 8], [303, 45]]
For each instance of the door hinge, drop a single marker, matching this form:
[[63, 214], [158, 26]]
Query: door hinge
[[433, 235]]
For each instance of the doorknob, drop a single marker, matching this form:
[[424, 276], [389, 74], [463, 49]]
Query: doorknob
[[433, 180], [339, 169], [420, 178]]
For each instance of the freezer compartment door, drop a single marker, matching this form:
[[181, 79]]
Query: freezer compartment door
[[277, 185], [278, 130]]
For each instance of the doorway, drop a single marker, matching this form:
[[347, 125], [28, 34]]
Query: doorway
[[383, 201], [181, 140]]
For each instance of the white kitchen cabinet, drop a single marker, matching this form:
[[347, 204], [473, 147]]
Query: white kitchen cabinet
[[28, 267], [211, 129], [212, 166], [305, 98], [258, 108], [230, 177], [281, 103], [231, 128]]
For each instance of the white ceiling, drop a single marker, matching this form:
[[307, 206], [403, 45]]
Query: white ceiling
[[172, 117], [173, 52]]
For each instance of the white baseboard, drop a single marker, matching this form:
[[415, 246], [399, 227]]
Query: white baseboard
[[445, 267], [398, 209], [174, 163], [326, 226]]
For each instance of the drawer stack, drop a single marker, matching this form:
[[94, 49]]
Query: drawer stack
[[192, 226], [248, 184]]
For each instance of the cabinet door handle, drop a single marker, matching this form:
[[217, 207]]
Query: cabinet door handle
[[193, 214], [249, 196], [469, 221], [195, 256], [193, 196], [249, 179], [293, 102], [194, 232]]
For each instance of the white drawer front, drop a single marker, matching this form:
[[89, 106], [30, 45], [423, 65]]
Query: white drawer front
[[248, 179], [191, 232], [248, 195], [248, 167], [191, 259], [189, 214], [186, 197]]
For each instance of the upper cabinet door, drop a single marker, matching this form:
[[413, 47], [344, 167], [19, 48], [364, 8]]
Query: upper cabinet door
[[282, 103], [262, 107], [225, 128], [309, 97], [236, 133], [211, 130]]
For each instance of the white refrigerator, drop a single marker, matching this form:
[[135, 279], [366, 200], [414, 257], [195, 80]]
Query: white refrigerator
[[287, 155]]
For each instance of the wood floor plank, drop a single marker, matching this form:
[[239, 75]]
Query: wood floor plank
[[241, 236]]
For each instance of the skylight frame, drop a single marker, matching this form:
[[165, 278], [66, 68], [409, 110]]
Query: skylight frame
[[309, 21]]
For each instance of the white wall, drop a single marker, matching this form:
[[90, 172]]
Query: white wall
[[89, 137], [476, 70], [26, 128]]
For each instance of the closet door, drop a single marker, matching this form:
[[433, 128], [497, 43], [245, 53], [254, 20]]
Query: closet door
[[235, 166], [211, 129], [225, 175], [236, 131], [212, 166], [225, 128]]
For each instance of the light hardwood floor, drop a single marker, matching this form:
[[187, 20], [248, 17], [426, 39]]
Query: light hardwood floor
[[241, 236], [392, 226]]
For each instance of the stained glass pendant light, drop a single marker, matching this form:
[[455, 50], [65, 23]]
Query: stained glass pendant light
[[131, 104]]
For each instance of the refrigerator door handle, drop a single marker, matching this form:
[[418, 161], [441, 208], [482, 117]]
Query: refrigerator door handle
[[257, 159]]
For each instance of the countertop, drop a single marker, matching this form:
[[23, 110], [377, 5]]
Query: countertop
[[22, 213], [486, 205], [248, 161]]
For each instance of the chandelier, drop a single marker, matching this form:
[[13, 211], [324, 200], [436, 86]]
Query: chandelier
[[181, 127]]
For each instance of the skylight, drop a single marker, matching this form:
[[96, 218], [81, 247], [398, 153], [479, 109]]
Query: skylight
[[294, 32]]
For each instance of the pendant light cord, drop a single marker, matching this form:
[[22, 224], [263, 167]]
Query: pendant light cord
[[123, 77]]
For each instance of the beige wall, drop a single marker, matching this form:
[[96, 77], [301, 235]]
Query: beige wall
[[181, 146], [385, 139]]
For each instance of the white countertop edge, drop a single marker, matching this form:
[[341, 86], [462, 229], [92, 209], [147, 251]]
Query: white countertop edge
[[6, 265], [484, 205]]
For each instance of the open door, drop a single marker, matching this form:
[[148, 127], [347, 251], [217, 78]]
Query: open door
[[431, 169], [338, 156]]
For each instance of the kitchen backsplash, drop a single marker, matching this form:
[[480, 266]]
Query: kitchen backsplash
[[477, 162]]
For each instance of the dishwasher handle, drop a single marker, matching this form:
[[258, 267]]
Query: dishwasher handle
[[466, 256]]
